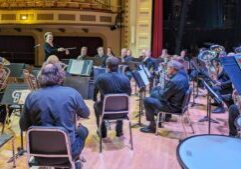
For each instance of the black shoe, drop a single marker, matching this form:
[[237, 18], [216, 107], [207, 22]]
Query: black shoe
[[148, 129], [219, 110], [215, 104], [119, 134], [103, 135]]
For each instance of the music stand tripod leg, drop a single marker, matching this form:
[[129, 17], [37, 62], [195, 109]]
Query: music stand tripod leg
[[20, 149], [141, 109]]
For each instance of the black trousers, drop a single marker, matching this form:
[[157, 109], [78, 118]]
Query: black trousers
[[152, 106], [98, 111], [226, 96], [233, 114]]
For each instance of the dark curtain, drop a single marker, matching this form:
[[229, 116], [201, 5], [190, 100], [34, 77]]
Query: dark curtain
[[17, 49], [91, 42], [210, 13], [157, 28]]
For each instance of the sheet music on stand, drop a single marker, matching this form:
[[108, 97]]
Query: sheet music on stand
[[80, 67], [13, 94], [233, 70], [141, 78]]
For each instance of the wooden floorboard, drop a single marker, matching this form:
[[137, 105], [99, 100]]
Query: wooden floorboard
[[150, 151]]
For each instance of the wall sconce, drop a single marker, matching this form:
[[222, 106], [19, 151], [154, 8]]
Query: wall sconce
[[23, 16]]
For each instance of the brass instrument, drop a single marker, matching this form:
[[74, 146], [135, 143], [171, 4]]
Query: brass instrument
[[207, 56], [217, 48], [238, 50], [4, 61], [4, 74]]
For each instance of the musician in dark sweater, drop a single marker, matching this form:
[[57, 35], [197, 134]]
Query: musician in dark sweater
[[168, 99], [110, 83], [102, 56], [50, 48]]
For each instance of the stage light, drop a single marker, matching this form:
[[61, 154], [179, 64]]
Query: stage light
[[23, 17]]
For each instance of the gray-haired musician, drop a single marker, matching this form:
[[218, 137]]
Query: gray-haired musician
[[168, 99], [55, 105], [50, 48]]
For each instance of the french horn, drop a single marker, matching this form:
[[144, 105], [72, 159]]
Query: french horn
[[207, 55]]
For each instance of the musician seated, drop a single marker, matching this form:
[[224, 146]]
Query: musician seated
[[124, 57], [101, 55], [110, 83], [50, 48], [83, 53], [148, 61], [223, 86], [234, 113], [168, 99], [55, 105]]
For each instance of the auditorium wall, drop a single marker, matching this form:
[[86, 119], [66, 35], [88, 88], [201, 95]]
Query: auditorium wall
[[109, 38]]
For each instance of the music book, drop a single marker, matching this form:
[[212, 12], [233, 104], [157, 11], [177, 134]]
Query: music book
[[238, 60], [140, 78], [233, 70], [19, 96], [147, 72], [80, 67]]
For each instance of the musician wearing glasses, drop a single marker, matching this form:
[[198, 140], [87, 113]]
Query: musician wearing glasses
[[55, 105], [168, 99], [50, 48], [112, 82]]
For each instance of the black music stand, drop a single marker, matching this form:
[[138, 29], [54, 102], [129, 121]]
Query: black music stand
[[211, 95], [142, 93], [7, 100]]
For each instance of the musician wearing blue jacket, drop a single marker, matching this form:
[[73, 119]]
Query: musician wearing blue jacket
[[112, 82], [55, 105], [168, 99]]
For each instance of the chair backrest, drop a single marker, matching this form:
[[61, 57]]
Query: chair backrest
[[186, 100], [48, 142], [116, 104]]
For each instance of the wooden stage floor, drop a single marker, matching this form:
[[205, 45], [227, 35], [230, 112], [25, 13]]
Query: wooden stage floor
[[150, 151]]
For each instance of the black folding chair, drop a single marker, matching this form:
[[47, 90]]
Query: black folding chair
[[184, 112]]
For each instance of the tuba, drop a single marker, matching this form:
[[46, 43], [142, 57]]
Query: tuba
[[207, 56], [238, 50], [217, 48]]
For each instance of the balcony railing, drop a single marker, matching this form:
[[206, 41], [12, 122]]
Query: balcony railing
[[58, 4]]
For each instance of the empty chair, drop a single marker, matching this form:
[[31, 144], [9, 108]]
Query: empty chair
[[115, 104]]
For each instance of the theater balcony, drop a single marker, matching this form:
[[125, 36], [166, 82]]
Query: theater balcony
[[57, 12], [73, 22]]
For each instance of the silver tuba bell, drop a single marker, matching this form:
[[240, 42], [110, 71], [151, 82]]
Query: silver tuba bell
[[217, 48], [238, 50], [207, 55]]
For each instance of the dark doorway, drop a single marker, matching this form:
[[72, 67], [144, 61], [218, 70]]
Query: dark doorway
[[17, 49]]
